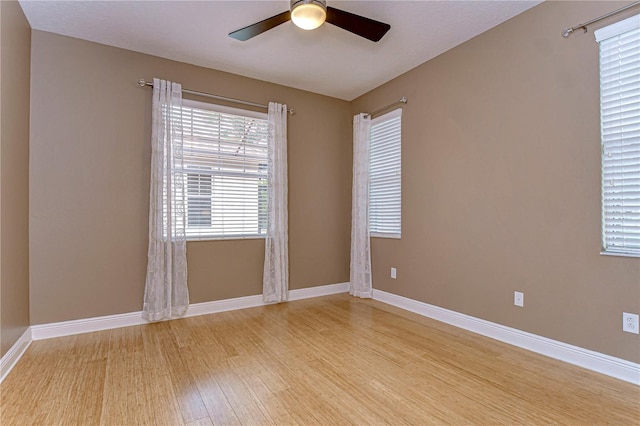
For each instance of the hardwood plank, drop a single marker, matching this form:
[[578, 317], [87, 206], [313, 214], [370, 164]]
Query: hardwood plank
[[203, 365], [205, 421]]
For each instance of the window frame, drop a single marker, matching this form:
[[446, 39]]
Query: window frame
[[396, 113], [190, 103]]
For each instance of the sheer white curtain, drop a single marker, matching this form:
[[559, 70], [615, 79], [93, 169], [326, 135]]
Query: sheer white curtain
[[166, 294], [360, 271], [275, 281]]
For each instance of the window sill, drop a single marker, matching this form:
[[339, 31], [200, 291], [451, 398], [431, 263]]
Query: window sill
[[612, 253], [249, 237], [380, 235]]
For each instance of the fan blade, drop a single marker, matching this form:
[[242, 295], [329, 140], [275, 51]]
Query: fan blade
[[364, 27], [246, 33]]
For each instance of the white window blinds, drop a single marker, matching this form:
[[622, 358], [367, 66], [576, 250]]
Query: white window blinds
[[385, 205], [225, 171], [620, 135]]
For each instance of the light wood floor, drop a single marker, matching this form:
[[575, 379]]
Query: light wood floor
[[331, 360]]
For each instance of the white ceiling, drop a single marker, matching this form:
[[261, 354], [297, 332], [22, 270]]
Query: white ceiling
[[329, 60]]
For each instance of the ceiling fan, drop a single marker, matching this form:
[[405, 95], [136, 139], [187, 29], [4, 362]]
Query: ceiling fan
[[310, 14]]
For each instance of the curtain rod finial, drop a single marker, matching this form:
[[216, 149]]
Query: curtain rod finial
[[567, 32], [142, 82]]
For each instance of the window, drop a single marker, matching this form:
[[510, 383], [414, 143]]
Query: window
[[225, 171], [385, 176], [199, 197], [620, 136]]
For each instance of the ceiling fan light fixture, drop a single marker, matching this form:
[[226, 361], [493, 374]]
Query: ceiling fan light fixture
[[308, 14]]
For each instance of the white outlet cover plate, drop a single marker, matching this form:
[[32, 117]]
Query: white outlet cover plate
[[393, 273], [630, 323], [518, 298]]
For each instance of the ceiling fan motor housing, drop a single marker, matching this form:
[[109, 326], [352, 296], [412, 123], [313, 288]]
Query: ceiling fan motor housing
[[308, 14], [321, 3]]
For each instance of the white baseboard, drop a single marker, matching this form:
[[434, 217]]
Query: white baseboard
[[322, 290], [85, 325], [88, 325], [9, 360], [591, 360], [225, 305], [256, 300]]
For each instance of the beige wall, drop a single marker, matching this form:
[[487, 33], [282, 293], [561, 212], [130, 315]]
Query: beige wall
[[90, 154], [501, 184], [15, 40]]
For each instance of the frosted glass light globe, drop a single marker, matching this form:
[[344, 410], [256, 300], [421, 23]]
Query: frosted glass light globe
[[308, 16]]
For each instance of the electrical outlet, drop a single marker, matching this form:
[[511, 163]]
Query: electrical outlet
[[393, 273], [518, 298], [630, 322]]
